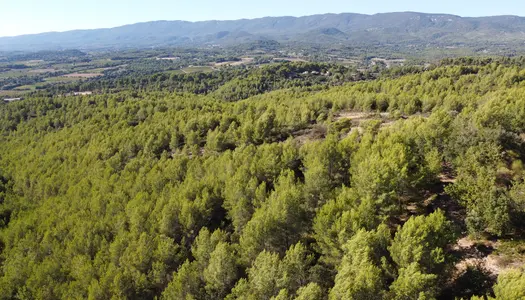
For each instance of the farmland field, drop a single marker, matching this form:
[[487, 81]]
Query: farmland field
[[197, 69], [82, 75]]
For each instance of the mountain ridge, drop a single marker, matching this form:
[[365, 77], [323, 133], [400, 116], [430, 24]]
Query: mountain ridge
[[400, 28]]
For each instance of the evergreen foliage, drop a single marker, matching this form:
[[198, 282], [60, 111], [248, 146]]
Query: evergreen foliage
[[149, 193]]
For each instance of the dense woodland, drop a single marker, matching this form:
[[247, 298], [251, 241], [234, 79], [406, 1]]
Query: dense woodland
[[272, 193], [228, 84]]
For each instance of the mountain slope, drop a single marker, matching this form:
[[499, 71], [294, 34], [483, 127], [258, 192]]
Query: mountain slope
[[395, 28]]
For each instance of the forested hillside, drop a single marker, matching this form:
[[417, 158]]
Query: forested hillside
[[230, 83], [408, 186]]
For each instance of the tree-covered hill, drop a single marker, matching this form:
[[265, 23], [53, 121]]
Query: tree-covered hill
[[149, 193], [230, 83]]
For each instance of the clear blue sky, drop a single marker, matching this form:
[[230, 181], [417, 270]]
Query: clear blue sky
[[34, 16]]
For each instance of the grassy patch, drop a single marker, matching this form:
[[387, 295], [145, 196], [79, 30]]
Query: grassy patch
[[17, 73], [511, 253], [26, 88], [197, 69], [513, 249], [176, 72], [11, 93], [61, 79]]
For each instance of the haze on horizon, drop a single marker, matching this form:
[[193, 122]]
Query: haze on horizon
[[29, 16]]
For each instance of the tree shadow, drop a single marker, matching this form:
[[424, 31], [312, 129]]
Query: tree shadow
[[475, 281]]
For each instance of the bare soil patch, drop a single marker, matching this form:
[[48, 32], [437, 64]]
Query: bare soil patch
[[482, 255], [243, 61], [83, 75], [352, 115], [360, 116], [315, 133]]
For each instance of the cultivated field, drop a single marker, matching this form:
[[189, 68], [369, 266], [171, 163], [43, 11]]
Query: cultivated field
[[82, 75]]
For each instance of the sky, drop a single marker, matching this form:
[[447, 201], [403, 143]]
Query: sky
[[35, 16]]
